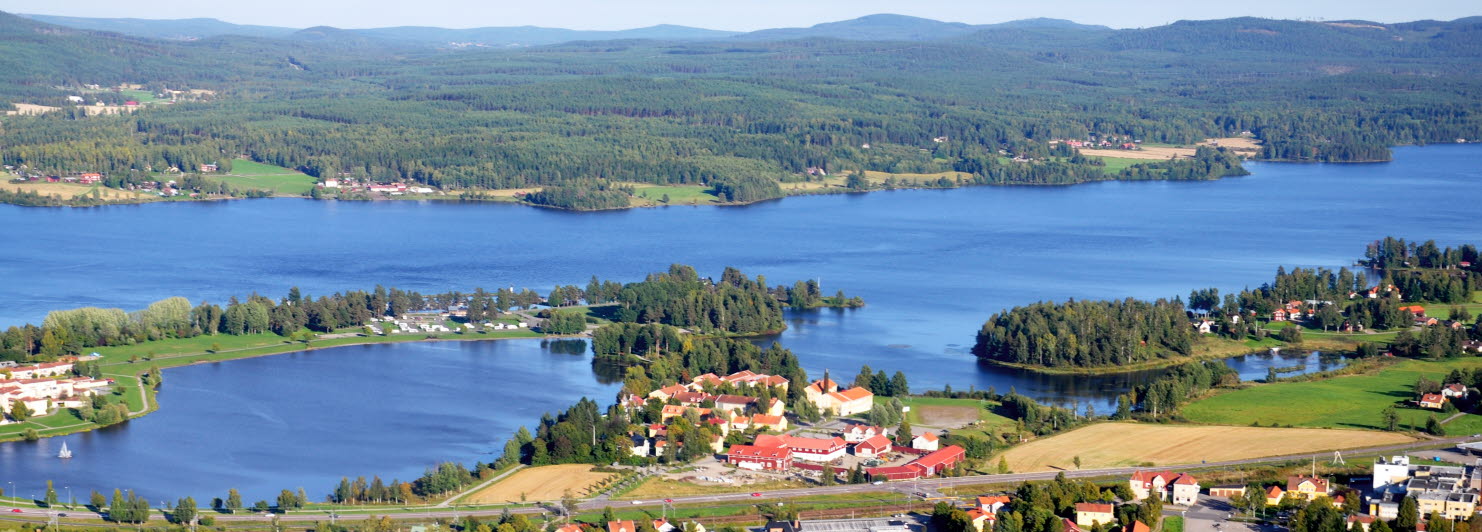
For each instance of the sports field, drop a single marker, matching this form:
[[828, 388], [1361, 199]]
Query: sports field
[[544, 483], [1131, 444]]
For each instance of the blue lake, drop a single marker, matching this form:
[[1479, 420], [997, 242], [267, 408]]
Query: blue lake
[[932, 265]]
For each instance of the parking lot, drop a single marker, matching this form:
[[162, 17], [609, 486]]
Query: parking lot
[[1211, 515]]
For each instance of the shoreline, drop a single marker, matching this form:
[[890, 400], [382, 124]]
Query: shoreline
[[152, 405], [1161, 363]]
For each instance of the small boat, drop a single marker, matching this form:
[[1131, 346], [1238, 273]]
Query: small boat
[[66, 453]]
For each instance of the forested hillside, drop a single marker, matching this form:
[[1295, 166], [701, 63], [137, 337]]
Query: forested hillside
[[740, 116]]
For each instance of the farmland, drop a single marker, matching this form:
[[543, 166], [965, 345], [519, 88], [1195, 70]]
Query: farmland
[[541, 483], [246, 174], [1129, 444], [69, 191], [1354, 401]]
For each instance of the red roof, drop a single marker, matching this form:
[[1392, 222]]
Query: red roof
[[753, 451], [797, 443], [1431, 398], [893, 472], [621, 526], [877, 443], [1093, 507], [1136, 526], [946, 456], [1185, 480]]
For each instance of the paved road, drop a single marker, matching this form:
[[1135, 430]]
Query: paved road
[[924, 485]]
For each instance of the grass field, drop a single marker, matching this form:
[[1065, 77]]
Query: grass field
[[1130, 444], [544, 483], [69, 191], [943, 412], [1117, 164], [1353, 401], [247, 174], [658, 487], [877, 178], [678, 195]]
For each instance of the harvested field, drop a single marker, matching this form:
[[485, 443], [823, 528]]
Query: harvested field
[[68, 191], [1234, 143], [31, 109], [1146, 152], [544, 483], [1130, 444]]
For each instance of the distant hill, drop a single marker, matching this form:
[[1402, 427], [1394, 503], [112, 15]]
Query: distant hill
[[888, 27], [881, 27], [176, 29]]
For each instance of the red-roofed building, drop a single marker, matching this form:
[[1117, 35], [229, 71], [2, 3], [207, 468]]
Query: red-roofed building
[[872, 447], [663, 394], [1184, 491], [1149, 483], [692, 398], [810, 449], [938, 461], [981, 519], [1090, 513], [777, 423], [1136, 526], [1433, 401], [621, 526], [569, 528], [760, 458], [992, 503]]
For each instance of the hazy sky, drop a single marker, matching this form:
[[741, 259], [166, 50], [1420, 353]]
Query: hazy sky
[[729, 15]]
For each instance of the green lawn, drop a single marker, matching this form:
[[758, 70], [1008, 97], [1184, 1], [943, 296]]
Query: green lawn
[[247, 174], [1464, 425], [1117, 164], [678, 195], [141, 96], [1173, 523], [1354, 401]]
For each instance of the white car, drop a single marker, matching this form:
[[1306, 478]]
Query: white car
[[637, 502]]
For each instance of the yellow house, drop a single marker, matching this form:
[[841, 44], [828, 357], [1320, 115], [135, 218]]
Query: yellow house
[[1307, 488], [1274, 495], [1087, 514]]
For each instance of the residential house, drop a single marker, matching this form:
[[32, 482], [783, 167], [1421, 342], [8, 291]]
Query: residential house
[[663, 394], [856, 433], [662, 525], [1204, 326], [1307, 488], [1274, 495], [640, 446], [1279, 315], [736, 403], [621, 526], [926, 441], [1433, 401], [760, 458], [981, 519], [740, 423], [872, 447], [572, 527], [1147, 483], [1453, 391], [1136, 526], [1185, 490], [777, 423], [992, 503], [1088, 514], [1363, 521]]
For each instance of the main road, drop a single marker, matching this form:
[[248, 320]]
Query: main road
[[922, 485]]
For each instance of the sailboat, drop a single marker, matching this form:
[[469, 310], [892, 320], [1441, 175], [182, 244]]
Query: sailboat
[[66, 453]]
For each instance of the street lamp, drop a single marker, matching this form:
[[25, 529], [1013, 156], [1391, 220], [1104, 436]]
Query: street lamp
[[71, 502]]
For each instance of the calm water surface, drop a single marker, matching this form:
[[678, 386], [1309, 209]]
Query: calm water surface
[[931, 264]]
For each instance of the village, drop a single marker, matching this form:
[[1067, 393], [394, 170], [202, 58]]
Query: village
[[41, 389]]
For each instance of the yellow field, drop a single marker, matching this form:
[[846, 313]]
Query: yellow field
[[32, 109], [69, 191], [1145, 152], [1234, 143], [1130, 444], [544, 483]]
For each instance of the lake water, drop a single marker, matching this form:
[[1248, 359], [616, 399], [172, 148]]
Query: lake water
[[931, 264]]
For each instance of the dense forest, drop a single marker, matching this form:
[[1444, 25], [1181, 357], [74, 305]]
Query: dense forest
[[740, 117], [1110, 333], [1087, 333]]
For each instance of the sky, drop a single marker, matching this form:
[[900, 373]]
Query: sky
[[739, 15]]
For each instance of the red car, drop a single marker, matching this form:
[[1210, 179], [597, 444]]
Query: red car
[[668, 500], [756, 495], [15, 510]]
